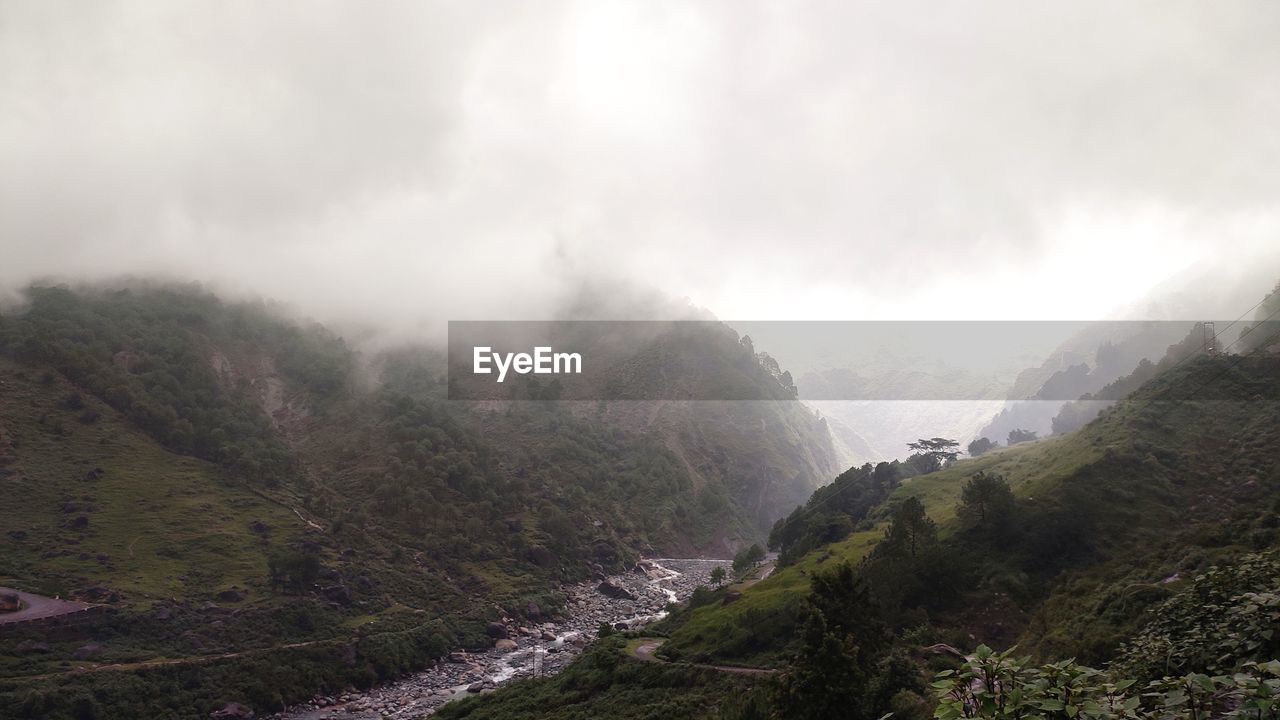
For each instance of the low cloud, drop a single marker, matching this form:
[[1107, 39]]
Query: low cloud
[[414, 162]]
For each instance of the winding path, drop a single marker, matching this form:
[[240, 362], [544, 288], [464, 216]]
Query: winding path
[[648, 646], [39, 607]]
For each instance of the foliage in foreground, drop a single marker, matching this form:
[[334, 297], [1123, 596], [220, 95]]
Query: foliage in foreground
[[1229, 614], [1000, 686], [605, 683]]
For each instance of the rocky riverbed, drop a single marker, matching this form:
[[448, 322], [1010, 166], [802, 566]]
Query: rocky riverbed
[[625, 601]]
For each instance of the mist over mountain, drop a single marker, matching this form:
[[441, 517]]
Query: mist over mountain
[[884, 338]]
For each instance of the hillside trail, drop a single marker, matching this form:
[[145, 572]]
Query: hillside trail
[[165, 662], [645, 650]]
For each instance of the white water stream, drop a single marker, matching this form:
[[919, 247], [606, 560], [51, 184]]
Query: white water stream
[[418, 695]]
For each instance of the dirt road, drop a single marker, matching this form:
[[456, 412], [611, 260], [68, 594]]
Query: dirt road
[[37, 607], [648, 646]]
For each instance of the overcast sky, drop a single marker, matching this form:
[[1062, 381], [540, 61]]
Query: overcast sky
[[782, 160]]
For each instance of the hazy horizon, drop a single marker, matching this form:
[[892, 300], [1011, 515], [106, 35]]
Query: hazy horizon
[[408, 164]]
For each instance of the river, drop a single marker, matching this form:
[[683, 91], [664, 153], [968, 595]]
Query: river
[[540, 649]]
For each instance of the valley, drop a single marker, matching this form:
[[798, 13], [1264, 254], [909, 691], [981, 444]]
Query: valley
[[639, 360], [255, 517], [539, 651]]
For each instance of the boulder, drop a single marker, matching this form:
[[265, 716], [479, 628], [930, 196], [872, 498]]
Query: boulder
[[340, 594], [232, 711], [533, 612], [475, 687], [505, 645], [231, 595], [610, 588], [496, 630]]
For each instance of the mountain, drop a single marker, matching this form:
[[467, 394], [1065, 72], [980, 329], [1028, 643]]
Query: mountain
[[1147, 539], [1103, 526], [1104, 352], [234, 483], [1091, 359]]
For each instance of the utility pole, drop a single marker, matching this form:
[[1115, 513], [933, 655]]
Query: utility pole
[[1210, 339]]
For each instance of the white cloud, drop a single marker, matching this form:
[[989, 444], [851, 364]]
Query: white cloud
[[418, 161]]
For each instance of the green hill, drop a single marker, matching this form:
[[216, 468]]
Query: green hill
[[1179, 475], [257, 501]]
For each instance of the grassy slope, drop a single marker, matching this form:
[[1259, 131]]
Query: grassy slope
[[169, 532], [1138, 470], [776, 599], [166, 525]]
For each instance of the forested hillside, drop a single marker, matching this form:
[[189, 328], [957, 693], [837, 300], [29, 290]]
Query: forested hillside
[[1142, 544], [257, 482], [1066, 547]]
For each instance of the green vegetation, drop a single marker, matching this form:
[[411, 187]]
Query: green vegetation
[[1099, 518], [748, 558], [835, 510], [606, 683], [987, 505], [1000, 686], [266, 678], [842, 668], [155, 524], [1018, 435], [933, 454], [1074, 545], [242, 498], [1224, 617], [980, 446], [151, 355]]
